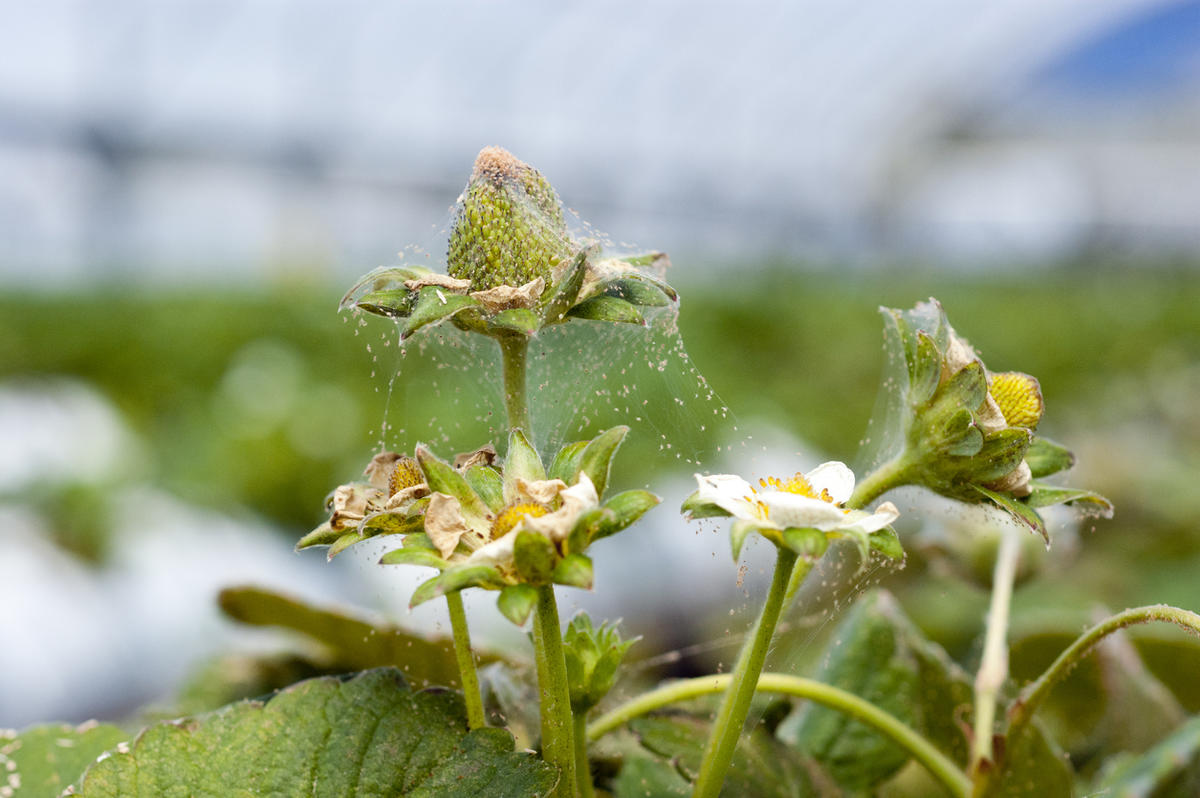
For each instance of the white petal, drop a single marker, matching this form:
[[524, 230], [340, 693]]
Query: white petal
[[835, 477], [495, 553], [793, 510], [541, 491], [557, 525], [883, 516], [729, 492], [444, 523]]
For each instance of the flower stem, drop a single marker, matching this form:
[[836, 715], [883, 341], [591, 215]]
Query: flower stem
[[735, 706], [558, 748], [892, 474], [993, 668], [1035, 693], [466, 661], [514, 350], [937, 763], [583, 768]]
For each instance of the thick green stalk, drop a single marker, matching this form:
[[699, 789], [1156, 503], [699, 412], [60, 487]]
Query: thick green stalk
[[558, 746], [514, 349], [466, 661], [735, 706], [924, 752], [583, 768], [892, 474], [993, 667]]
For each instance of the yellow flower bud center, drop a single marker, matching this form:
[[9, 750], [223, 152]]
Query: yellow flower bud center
[[1019, 398], [405, 474], [797, 484], [511, 515]]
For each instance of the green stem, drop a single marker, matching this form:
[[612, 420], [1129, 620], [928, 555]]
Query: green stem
[[993, 667], [558, 747], [583, 768], [937, 763], [514, 350], [892, 474], [735, 706], [802, 569], [1035, 693], [466, 661]]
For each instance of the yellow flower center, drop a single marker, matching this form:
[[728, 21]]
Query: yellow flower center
[[405, 474], [1019, 398], [797, 484], [511, 515]]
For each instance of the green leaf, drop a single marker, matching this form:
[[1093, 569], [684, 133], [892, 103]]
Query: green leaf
[[643, 776], [762, 767], [488, 485], [1045, 457], [1090, 503], [324, 535], [694, 508], [1170, 769], [1032, 767], [413, 556], [637, 292], [521, 462], [624, 508], [352, 642], [45, 760], [1017, 509], [566, 462], [453, 579], [808, 543], [607, 308], [369, 735], [445, 478], [574, 570], [872, 659], [596, 460], [433, 305], [516, 602], [567, 290], [520, 320], [534, 557]]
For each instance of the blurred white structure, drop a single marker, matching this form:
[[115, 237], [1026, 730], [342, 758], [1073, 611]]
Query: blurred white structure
[[201, 138]]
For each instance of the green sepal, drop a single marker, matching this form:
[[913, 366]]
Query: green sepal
[[324, 535], [886, 542], [433, 305], [419, 541], [1045, 457], [701, 509], [384, 278], [589, 525], [968, 386], [924, 369], [963, 437], [574, 570], [1045, 495], [623, 509], [521, 462], [597, 456], [441, 477], [1019, 510], [607, 308], [636, 292], [520, 320], [391, 303], [1002, 452], [808, 543], [392, 522], [534, 556], [567, 291], [566, 462], [454, 579], [413, 556], [344, 542], [739, 530], [487, 484], [516, 602]]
